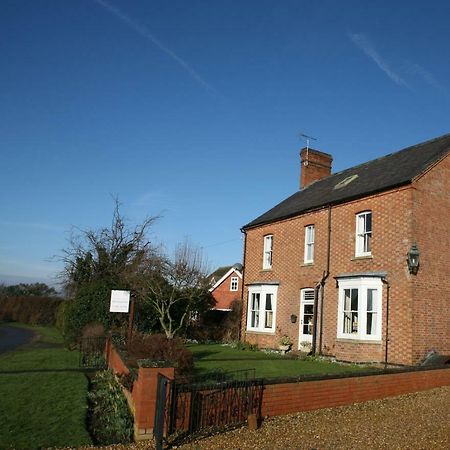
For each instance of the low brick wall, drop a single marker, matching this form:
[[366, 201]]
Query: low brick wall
[[114, 360], [291, 397], [286, 397], [142, 398]]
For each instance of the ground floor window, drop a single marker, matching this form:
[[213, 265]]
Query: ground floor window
[[359, 308], [261, 308]]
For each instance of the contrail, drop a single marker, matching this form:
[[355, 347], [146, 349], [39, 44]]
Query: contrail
[[144, 32], [361, 41]]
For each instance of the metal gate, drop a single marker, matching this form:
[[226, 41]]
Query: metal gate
[[203, 405]]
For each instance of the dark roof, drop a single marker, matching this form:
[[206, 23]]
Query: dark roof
[[221, 271], [395, 169]]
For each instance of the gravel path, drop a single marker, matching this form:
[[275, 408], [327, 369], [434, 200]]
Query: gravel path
[[413, 421]]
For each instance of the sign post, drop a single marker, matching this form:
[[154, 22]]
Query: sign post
[[130, 321], [123, 302]]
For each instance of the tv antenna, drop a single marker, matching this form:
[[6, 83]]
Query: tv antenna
[[307, 140]]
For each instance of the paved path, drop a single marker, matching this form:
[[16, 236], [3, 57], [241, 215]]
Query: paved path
[[13, 337]]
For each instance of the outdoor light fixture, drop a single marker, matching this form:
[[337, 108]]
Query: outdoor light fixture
[[413, 259], [293, 318]]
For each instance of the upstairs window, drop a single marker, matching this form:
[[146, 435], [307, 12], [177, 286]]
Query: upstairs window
[[309, 244], [363, 245], [267, 257], [234, 283]]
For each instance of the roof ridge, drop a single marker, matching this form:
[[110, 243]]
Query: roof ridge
[[357, 166], [390, 170]]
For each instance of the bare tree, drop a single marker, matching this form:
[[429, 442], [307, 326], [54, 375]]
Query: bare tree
[[178, 287], [111, 253]]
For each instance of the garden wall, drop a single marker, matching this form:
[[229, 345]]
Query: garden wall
[[285, 397], [142, 398], [291, 397]]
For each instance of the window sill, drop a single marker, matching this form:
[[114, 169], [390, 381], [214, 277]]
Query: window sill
[[307, 264], [357, 258], [358, 341], [266, 270], [265, 333]]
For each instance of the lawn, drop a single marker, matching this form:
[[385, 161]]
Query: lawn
[[42, 409], [209, 357]]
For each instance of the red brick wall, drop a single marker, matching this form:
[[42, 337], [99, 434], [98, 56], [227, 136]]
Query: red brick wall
[[222, 294], [142, 399], [286, 398], [114, 360], [431, 311], [314, 166], [392, 237]]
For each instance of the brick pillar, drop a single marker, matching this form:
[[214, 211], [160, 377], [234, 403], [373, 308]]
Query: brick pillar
[[144, 397]]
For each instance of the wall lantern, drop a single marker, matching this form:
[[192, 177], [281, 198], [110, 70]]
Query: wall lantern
[[413, 259], [293, 318]]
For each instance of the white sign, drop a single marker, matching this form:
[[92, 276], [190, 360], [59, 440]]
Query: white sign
[[120, 301]]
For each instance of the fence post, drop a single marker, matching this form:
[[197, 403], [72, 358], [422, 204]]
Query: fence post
[[160, 411]]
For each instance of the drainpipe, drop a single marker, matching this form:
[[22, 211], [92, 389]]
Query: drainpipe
[[314, 336], [321, 286], [386, 336]]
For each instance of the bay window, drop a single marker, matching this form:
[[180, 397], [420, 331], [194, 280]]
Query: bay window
[[261, 308], [359, 309]]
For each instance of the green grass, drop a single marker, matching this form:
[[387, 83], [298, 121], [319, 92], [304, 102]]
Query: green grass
[[209, 357], [47, 335], [44, 409], [47, 352]]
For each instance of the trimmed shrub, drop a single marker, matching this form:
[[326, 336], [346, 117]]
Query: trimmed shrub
[[31, 310], [110, 419], [158, 347]]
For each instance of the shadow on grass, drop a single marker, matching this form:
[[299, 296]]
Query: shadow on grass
[[204, 354]]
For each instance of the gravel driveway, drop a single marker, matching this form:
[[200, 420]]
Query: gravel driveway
[[414, 421]]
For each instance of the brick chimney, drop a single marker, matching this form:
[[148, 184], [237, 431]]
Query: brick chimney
[[314, 166]]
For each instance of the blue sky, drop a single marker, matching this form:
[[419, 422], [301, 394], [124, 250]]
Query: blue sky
[[191, 110]]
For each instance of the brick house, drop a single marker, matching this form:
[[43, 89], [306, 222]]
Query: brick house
[[226, 286], [334, 266]]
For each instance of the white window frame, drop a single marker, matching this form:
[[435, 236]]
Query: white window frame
[[268, 251], [362, 285], [264, 315], [234, 284], [363, 236], [310, 232]]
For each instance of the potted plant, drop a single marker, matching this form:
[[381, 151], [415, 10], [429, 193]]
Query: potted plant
[[285, 343], [305, 346]]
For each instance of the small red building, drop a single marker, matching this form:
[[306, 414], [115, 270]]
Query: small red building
[[226, 286], [355, 264]]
